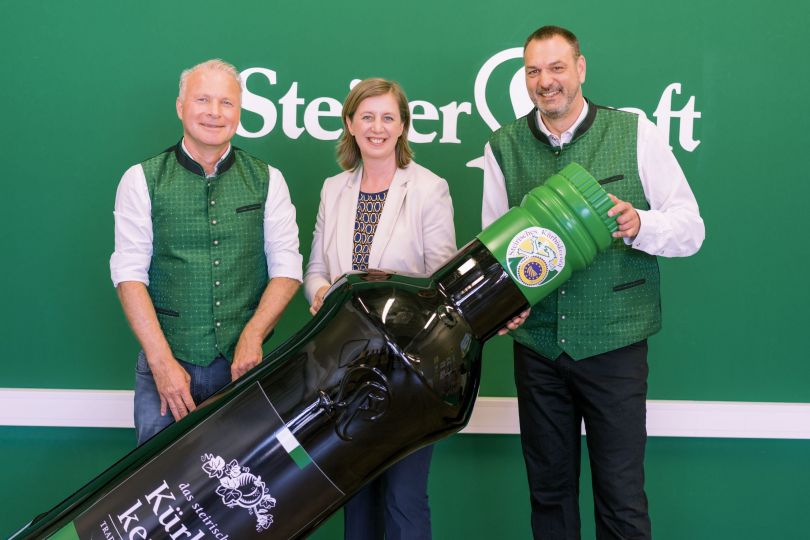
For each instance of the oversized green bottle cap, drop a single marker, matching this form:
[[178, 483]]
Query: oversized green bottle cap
[[559, 227], [593, 193]]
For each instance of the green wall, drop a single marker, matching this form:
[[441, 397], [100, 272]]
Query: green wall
[[88, 89]]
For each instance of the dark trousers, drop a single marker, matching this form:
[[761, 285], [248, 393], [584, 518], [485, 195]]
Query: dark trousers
[[393, 506], [609, 392]]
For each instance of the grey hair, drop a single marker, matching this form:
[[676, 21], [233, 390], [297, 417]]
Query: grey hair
[[215, 64]]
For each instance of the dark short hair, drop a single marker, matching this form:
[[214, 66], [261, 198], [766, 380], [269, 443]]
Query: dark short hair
[[348, 153], [548, 32]]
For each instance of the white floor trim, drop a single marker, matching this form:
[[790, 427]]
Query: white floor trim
[[725, 419], [66, 408]]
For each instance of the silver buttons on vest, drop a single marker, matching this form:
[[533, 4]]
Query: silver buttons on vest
[[562, 317], [217, 283], [216, 262]]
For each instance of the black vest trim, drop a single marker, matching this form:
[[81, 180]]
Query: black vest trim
[[531, 119], [248, 208], [192, 166], [625, 286], [610, 179], [586, 124]]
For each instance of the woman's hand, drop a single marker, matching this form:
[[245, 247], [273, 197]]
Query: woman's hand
[[317, 300]]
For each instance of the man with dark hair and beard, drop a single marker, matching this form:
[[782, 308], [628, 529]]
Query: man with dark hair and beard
[[582, 352]]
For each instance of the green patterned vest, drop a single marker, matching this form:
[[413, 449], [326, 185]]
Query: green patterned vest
[[208, 269], [616, 300]]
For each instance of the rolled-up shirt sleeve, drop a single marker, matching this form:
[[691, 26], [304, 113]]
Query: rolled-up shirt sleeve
[[672, 227], [495, 200], [133, 229], [317, 275], [281, 231]]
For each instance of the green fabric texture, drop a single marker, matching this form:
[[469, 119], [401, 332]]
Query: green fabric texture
[[208, 268], [616, 300]]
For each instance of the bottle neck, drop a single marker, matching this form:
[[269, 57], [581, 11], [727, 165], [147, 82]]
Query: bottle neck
[[480, 289]]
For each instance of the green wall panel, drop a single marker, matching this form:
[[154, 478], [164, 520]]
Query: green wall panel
[[45, 465], [89, 90]]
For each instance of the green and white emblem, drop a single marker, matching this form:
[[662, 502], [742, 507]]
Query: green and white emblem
[[535, 256]]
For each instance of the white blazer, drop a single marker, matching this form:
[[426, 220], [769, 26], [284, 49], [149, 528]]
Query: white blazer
[[415, 234]]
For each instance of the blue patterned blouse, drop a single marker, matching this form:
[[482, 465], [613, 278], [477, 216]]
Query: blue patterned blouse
[[369, 210]]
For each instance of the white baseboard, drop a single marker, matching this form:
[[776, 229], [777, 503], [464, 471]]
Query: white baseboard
[[66, 408], [725, 419]]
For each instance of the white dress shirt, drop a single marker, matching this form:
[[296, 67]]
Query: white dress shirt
[[672, 227], [133, 228]]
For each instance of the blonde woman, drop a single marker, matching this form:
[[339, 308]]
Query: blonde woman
[[384, 211]]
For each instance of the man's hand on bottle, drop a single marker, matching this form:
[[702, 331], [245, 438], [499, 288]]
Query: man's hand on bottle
[[629, 221], [247, 355], [317, 300], [174, 387], [515, 323]]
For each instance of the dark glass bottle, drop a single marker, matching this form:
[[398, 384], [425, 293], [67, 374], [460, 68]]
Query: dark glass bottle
[[390, 363]]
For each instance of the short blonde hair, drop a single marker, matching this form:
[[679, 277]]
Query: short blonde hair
[[215, 64], [348, 153]]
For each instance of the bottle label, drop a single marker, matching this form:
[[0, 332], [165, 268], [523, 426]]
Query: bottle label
[[535, 256], [237, 475]]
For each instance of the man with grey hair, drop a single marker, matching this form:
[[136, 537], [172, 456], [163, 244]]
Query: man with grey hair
[[206, 254]]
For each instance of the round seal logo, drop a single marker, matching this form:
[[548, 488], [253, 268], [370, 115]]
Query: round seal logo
[[535, 255]]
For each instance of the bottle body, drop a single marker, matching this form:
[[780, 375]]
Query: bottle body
[[389, 364]]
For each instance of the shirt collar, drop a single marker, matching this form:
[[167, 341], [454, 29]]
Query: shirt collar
[[567, 135]]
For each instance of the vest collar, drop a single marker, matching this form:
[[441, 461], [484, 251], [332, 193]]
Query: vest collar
[[586, 124], [192, 166]]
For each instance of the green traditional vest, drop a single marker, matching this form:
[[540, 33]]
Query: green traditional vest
[[616, 300], [208, 269]]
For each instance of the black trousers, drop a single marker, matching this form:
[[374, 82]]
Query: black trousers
[[609, 392]]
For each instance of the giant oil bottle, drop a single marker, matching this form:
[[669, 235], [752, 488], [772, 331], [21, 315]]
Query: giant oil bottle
[[390, 363]]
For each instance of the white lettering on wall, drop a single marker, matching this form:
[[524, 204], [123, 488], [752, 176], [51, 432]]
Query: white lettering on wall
[[687, 117], [329, 107], [422, 110], [258, 104], [313, 113], [450, 114], [429, 120], [289, 112]]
